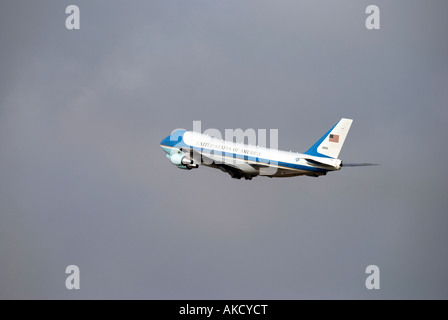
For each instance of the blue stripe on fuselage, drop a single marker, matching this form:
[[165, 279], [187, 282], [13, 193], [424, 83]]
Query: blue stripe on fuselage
[[168, 142], [259, 160]]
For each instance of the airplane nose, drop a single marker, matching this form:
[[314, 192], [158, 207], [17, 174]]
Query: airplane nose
[[164, 141]]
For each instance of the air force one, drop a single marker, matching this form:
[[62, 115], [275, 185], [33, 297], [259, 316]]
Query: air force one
[[189, 149]]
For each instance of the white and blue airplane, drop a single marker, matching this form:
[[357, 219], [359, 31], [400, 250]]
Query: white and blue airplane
[[189, 149]]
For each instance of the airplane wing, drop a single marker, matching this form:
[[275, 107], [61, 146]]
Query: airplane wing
[[233, 172]]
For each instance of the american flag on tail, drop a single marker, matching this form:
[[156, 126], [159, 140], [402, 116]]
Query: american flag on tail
[[334, 138]]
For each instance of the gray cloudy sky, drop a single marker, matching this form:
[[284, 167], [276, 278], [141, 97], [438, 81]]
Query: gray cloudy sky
[[83, 180]]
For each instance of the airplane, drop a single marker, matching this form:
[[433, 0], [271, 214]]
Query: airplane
[[188, 149]]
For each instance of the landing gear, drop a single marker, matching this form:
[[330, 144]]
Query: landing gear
[[235, 173]]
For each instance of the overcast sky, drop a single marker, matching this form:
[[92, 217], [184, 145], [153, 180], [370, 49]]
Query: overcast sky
[[83, 180]]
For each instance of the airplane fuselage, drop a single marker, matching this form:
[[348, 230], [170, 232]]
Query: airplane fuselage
[[188, 149]]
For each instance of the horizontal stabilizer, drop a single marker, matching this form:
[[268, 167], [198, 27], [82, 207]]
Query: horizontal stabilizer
[[322, 162]]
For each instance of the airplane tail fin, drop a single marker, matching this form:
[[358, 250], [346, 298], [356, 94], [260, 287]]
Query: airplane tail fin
[[330, 145]]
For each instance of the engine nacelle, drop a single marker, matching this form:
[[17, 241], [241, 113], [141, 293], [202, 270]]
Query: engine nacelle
[[180, 159]]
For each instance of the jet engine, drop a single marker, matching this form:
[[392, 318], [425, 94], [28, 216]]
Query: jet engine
[[182, 162]]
